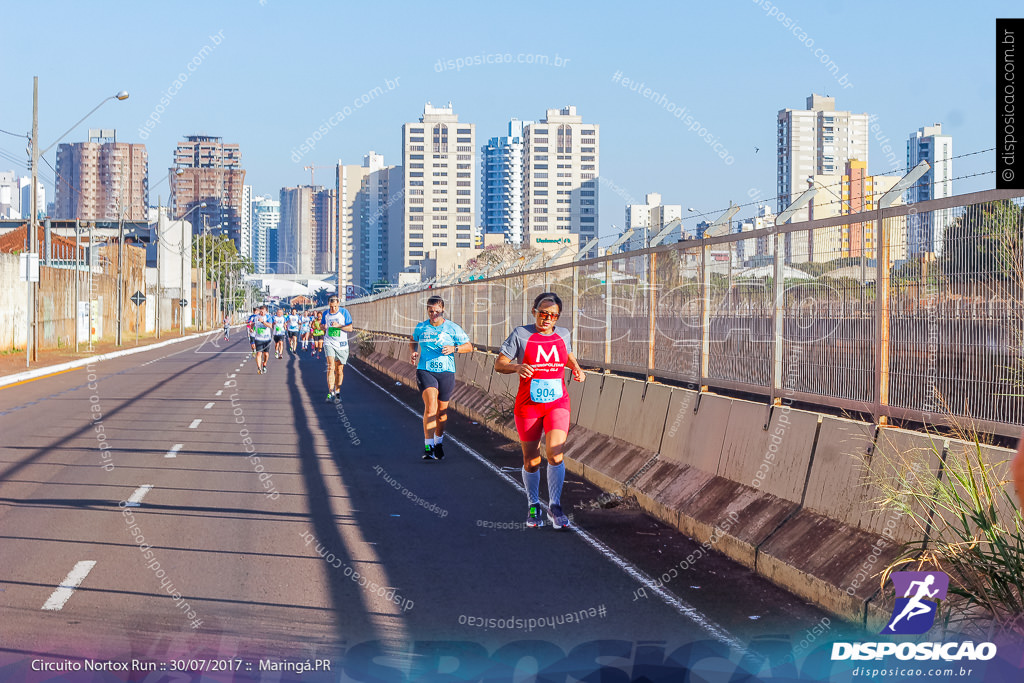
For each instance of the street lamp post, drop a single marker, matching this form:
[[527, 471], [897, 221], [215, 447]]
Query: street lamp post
[[31, 339]]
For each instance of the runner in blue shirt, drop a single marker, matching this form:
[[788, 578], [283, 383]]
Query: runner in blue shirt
[[249, 324], [293, 322], [338, 323], [434, 343], [304, 329], [279, 321], [261, 334]]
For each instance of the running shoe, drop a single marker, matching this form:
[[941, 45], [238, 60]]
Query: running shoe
[[557, 517], [533, 517], [330, 397], [438, 452], [259, 370], [337, 397], [428, 453]]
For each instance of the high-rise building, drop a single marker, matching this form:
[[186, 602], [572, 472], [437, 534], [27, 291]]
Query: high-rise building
[[925, 231], [501, 180], [25, 187], [348, 182], [851, 193], [560, 172], [370, 210], [266, 214], [245, 222], [305, 233], [208, 170], [648, 219], [814, 141], [10, 195], [439, 216], [102, 179]]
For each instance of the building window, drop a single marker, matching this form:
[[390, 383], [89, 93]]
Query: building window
[[440, 138], [564, 139]]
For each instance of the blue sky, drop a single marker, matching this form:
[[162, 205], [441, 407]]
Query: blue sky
[[282, 69]]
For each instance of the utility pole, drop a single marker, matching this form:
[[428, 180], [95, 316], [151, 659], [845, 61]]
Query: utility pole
[[159, 246], [78, 274], [120, 284], [33, 238]]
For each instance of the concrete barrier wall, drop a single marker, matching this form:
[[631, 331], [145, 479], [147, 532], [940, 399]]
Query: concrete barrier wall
[[791, 501], [643, 410], [696, 439]]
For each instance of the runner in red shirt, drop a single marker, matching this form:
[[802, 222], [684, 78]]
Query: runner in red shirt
[[539, 353]]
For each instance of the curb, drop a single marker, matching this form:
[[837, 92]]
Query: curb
[[52, 369]]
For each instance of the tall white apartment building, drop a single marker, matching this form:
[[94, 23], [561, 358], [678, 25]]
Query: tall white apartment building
[[266, 216], [501, 181], [814, 141], [648, 219], [245, 222], [925, 231], [348, 179], [560, 172], [439, 216], [10, 195], [25, 187], [369, 223]]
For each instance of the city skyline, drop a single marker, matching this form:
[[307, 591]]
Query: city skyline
[[712, 81]]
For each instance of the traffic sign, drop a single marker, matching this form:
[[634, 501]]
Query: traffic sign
[[183, 302], [138, 298]]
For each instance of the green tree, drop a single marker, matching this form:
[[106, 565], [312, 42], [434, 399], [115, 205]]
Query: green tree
[[984, 244]]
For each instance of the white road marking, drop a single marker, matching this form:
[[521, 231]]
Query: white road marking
[[208, 405], [219, 392], [695, 615], [226, 383], [136, 498], [173, 453], [195, 423], [232, 376], [72, 581]]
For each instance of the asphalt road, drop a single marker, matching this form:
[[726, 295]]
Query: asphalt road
[[273, 526]]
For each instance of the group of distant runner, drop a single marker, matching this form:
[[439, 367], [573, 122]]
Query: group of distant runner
[[321, 334], [539, 353]]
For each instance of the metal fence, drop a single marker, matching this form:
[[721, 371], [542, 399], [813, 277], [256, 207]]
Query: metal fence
[[912, 312]]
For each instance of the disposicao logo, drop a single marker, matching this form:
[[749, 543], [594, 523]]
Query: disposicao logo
[[917, 599], [914, 613]]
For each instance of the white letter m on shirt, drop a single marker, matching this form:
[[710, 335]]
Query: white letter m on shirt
[[547, 354]]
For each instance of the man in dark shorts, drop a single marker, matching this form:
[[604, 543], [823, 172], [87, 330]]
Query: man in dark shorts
[[539, 354], [434, 343], [261, 335], [280, 321]]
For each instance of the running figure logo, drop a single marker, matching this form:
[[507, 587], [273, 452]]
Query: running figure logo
[[921, 592]]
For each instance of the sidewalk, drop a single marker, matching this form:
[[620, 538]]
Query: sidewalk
[[14, 362]]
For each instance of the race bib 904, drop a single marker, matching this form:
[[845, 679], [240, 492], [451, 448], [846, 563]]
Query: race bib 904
[[545, 390]]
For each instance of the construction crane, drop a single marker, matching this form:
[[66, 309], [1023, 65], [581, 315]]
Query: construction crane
[[312, 171]]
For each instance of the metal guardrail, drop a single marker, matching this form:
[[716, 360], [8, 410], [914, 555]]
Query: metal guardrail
[[850, 312]]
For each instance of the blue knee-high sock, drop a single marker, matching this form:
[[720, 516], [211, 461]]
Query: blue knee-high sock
[[556, 477], [531, 480]]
